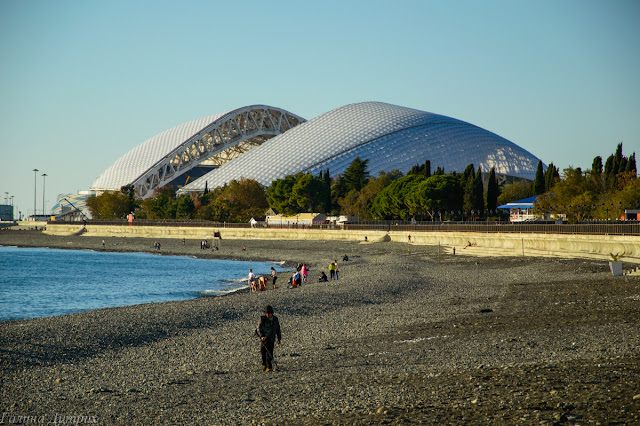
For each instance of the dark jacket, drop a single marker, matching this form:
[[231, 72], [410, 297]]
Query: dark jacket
[[275, 329]]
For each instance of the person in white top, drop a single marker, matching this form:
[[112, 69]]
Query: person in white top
[[252, 280]]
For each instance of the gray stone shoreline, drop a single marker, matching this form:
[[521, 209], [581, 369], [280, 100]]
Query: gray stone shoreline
[[400, 338]]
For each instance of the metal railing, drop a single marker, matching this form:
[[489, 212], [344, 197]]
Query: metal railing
[[593, 228]]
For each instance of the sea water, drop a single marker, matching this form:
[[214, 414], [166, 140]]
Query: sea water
[[41, 282]]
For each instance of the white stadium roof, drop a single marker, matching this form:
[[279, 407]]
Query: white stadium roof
[[266, 143], [211, 140], [389, 136]]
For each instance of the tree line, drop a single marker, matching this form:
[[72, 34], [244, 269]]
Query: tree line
[[603, 192], [392, 195]]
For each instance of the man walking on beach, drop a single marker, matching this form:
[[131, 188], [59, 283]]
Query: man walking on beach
[[269, 332]]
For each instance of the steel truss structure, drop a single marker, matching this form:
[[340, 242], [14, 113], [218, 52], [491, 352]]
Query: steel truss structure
[[224, 137]]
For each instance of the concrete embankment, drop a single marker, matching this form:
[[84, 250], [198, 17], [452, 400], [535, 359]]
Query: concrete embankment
[[464, 243]]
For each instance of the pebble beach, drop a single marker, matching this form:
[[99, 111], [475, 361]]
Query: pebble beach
[[407, 335]]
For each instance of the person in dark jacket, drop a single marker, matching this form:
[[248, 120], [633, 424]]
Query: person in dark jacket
[[269, 331]]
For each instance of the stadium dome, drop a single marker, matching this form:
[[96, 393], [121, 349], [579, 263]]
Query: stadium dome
[[192, 149], [389, 136]]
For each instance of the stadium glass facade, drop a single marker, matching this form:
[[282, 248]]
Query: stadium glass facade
[[266, 143], [389, 136]]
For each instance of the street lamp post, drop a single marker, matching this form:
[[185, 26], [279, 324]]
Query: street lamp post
[[35, 187], [44, 175]]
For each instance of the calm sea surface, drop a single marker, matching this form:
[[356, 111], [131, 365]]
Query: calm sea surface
[[40, 282]]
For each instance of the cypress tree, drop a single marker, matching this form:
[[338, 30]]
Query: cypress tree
[[617, 162], [467, 198], [327, 182], [608, 171], [493, 190], [618, 153], [596, 167], [550, 177], [478, 193], [631, 164], [469, 171], [427, 168], [622, 167], [538, 183], [473, 199]]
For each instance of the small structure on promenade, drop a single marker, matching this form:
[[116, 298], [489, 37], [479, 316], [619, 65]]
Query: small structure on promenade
[[295, 221]]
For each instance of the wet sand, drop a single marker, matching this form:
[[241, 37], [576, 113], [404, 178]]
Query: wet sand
[[406, 335]]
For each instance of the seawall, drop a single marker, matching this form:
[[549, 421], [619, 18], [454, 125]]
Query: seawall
[[464, 243]]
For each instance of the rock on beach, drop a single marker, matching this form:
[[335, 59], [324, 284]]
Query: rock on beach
[[402, 337]]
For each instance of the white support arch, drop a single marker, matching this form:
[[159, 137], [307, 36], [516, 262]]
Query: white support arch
[[218, 143]]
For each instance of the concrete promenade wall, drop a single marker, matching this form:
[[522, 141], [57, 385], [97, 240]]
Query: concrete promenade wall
[[532, 244], [482, 244]]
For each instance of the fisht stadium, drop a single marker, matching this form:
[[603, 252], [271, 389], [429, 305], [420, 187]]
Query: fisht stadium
[[266, 143]]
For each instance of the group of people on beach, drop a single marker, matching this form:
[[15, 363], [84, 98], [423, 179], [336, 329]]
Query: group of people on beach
[[204, 244], [260, 283], [299, 277]]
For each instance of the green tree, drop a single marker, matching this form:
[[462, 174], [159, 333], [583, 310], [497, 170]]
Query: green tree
[[596, 166], [473, 200], [279, 195], [309, 194], [184, 207], [551, 176], [130, 193], [571, 197], [493, 191], [628, 197], [163, 204], [109, 205], [356, 176], [327, 200], [478, 193], [435, 195], [421, 169], [243, 199], [204, 206], [359, 203], [390, 203], [468, 171], [517, 190], [631, 165], [538, 182]]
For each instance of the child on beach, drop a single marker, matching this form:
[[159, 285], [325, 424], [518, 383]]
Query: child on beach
[[274, 277]]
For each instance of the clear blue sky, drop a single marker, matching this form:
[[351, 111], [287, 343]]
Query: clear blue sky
[[83, 82]]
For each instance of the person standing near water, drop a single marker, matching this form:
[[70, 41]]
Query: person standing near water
[[252, 280], [269, 332], [274, 278]]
